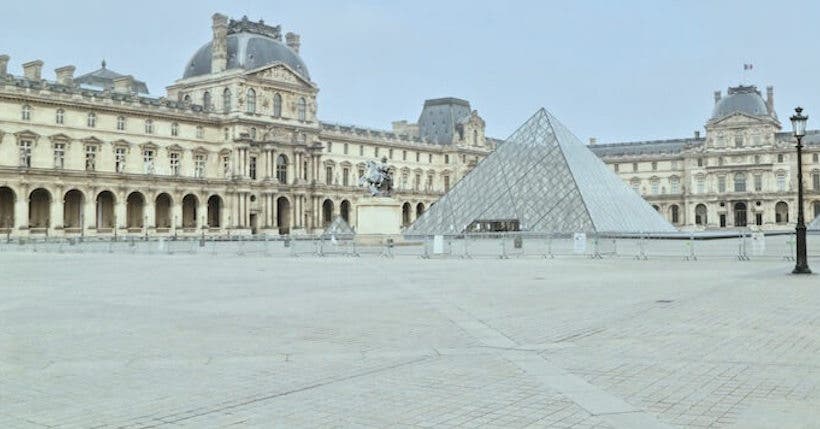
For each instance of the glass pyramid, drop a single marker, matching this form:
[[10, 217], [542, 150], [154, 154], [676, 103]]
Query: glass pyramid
[[338, 228], [814, 225], [542, 179]]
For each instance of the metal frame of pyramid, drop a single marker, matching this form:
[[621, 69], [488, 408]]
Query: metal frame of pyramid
[[548, 181]]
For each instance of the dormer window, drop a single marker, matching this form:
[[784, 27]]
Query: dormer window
[[251, 101], [277, 105], [302, 109], [226, 101]]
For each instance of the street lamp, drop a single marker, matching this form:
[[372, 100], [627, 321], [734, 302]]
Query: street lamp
[[799, 127]]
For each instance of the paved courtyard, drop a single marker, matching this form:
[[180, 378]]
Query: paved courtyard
[[112, 340]]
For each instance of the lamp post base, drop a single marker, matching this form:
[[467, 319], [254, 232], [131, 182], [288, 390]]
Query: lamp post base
[[801, 269]]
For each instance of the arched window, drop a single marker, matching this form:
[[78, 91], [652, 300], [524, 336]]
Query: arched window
[[302, 109], [277, 105], [226, 100], [674, 216], [740, 182], [187, 98], [92, 120], [206, 100], [781, 212], [251, 102], [282, 169], [700, 214], [253, 133], [60, 116], [26, 112]]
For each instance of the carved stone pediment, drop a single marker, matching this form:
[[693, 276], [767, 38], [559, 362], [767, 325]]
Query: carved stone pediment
[[281, 73]]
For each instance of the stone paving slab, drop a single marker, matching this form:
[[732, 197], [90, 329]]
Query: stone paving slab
[[137, 341]]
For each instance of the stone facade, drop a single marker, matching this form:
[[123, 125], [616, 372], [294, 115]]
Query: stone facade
[[741, 173], [236, 149]]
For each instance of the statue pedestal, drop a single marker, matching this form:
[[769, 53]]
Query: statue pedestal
[[378, 215]]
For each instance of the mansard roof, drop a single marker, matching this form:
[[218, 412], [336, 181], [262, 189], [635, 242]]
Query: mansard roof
[[103, 78], [671, 146]]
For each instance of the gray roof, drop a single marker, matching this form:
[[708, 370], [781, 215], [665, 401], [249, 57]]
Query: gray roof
[[247, 51], [673, 146], [742, 99], [438, 119], [103, 78], [547, 180], [812, 137]]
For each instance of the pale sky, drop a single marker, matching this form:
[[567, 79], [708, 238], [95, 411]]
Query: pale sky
[[618, 71]]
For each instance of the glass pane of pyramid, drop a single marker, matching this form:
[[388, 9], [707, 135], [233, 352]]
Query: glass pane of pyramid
[[542, 179]]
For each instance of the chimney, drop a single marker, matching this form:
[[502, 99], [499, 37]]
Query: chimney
[[292, 40], [770, 99], [124, 84], [219, 45], [4, 64], [717, 96], [697, 134], [65, 75], [33, 70], [592, 141]]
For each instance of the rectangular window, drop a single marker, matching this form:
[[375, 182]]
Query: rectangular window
[[304, 170], [815, 183], [174, 129], [329, 147], [758, 178], [119, 159], [404, 155], [700, 184], [25, 153], [200, 133], [361, 150], [149, 126], [446, 158], [199, 165], [90, 157], [814, 158], [615, 167], [721, 184], [654, 166], [59, 155], [120, 123], [634, 166], [429, 158], [361, 172], [390, 153], [674, 164], [329, 175], [780, 157], [226, 166], [59, 119], [148, 161], [417, 156], [417, 183], [674, 185], [173, 157], [700, 162], [429, 183], [446, 183], [781, 182], [376, 152], [252, 167], [345, 173], [655, 187], [345, 148]]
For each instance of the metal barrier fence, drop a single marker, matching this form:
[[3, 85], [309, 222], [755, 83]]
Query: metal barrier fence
[[741, 247]]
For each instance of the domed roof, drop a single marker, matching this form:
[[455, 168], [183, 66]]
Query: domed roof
[[247, 51], [742, 99]]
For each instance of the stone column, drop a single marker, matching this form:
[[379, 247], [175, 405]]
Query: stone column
[[201, 213], [89, 213], [149, 214], [274, 211], [21, 210], [56, 213], [120, 211]]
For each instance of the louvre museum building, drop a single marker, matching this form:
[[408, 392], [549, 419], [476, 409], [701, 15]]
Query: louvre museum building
[[236, 146]]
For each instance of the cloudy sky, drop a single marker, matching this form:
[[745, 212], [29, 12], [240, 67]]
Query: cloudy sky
[[617, 71]]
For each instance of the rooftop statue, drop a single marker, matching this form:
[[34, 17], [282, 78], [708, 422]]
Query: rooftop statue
[[377, 178]]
